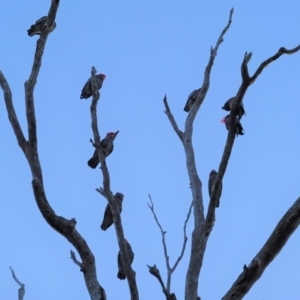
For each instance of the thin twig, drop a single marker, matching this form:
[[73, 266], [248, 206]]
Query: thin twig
[[170, 269], [171, 118], [163, 233], [185, 238], [21, 290], [76, 262], [206, 80], [265, 63]]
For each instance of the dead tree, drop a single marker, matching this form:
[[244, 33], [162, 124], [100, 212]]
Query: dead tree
[[203, 225]]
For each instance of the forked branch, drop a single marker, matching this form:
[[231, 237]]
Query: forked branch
[[246, 82], [64, 226], [171, 118], [170, 269]]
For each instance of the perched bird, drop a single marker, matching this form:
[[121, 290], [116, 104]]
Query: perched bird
[[229, 104], [107, 146], [108, 217], [38, 26], [191, 99], [212, 177], [239, 130], [121, 274], [87, 91]]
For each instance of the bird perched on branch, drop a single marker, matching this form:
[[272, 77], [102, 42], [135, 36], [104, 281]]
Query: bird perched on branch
[[87, 90], [191, 99], [38, 26], [212, 177], [108, 217], [107, 146], [229, 104], [239, 130], [121, 274]]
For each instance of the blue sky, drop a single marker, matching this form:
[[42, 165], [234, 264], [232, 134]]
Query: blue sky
[[147, 49]]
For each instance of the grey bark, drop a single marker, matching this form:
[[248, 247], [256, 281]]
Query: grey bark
[[199, 235], [29, 147], [21, 290], [107, 193], [203, 226], [279, 237], [170, 270]]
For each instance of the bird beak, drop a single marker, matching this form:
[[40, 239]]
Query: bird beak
[[116, 133], [223, 120]]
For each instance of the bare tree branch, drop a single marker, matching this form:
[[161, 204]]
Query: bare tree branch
[[63, 226], [199, 235], [206, 80], [155, 272], [210, 216], [282, 232], [67, 229], [185, 238], [163, 233], [12, 114], [171, 118], [76, 262], [106, 192], [30, 83], [199, 241], [21, 290], [246, 82], [265, 63], [170, 269]]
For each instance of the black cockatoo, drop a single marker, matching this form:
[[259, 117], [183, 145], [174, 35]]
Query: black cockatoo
[[229, 104], [107, 146], [212, 177], [191, 99], [38, 26], [87, 92], [239, 130], [108, 217], [121, 274]]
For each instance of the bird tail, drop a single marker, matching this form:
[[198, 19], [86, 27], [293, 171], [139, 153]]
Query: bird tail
[[30, 32], [93, 162], [121, 275], [103, 227]]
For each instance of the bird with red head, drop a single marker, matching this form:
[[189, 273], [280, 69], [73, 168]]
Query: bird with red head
[[239, 130]]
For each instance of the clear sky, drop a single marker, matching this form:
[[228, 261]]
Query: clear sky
[[147, 49]]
